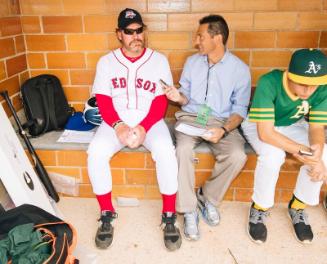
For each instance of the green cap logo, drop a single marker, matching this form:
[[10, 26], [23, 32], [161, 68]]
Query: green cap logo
[[313, 68], [308, 66]]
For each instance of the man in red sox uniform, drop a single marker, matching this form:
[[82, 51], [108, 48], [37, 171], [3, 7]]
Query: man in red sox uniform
[[132, 105]]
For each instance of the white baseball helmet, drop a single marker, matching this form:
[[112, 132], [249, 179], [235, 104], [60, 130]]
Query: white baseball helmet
[[91, 112]]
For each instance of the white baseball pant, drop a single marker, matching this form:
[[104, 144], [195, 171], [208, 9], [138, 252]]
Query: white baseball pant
[[105, 144], [270, 159]]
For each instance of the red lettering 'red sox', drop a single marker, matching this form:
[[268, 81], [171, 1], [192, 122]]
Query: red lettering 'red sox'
[[140, 84]]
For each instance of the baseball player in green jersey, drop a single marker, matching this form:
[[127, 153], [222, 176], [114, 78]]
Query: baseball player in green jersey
[[288, 114]]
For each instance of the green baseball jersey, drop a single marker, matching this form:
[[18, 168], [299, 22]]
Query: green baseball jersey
[[273, 101]]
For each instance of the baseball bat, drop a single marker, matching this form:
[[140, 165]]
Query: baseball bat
[[38, 166]]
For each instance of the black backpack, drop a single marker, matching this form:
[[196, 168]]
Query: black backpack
[[45, 104], [56, 232]]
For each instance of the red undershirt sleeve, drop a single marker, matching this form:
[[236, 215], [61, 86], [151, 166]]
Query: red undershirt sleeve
[[106, 109], [157, 111]]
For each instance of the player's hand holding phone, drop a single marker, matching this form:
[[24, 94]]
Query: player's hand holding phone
[[309, 156], [317, 169]]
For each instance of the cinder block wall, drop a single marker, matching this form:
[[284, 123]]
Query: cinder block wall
[[133, 174], [66, 37], [13, 64]]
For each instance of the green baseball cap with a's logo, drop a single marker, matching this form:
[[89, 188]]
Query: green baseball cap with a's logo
[[308, 66]]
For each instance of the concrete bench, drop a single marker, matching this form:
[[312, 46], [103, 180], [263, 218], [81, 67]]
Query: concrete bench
[[134, 175]]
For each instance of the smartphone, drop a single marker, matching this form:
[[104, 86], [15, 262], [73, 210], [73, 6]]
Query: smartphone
[[163, 83], [305, 153]]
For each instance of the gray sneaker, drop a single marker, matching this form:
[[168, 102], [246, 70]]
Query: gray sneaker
[[208, 211], [257, 229], [191, 226], [302, 228]]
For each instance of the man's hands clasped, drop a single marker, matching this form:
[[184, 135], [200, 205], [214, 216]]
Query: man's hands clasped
[[130, 137]]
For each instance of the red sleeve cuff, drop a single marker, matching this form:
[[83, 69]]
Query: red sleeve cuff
[[157, 111], [106, 109]]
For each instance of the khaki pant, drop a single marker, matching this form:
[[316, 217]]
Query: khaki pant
[[230, 159]]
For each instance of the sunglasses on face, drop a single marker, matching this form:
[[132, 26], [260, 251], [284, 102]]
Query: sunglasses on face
[[129, 31]]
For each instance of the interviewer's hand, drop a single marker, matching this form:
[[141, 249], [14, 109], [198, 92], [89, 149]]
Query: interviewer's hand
[[214, 135], [172, 93]]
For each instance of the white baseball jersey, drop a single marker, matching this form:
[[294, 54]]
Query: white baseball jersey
[[132, 85]]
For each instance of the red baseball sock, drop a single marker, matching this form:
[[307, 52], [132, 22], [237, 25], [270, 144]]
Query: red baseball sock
[[168, 202], [105, 203]]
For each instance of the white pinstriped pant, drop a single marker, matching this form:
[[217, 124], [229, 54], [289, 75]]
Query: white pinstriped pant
[[270, 159], [105, 144]]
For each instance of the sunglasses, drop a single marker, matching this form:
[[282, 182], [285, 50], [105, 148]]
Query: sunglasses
[[129, 31]]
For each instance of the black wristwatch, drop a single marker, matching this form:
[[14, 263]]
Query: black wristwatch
[[225, 133]]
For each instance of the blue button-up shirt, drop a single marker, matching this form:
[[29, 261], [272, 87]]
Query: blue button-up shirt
[[225, 86]]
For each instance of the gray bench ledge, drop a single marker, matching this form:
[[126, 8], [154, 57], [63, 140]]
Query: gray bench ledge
[[48, 141]]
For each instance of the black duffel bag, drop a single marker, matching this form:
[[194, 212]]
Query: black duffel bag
[[58, 235]]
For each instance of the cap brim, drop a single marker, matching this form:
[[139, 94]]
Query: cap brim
[[76, 122], [133, 22], [321, 80], [80, 127]]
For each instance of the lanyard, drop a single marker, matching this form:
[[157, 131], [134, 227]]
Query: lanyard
[[208, 75]]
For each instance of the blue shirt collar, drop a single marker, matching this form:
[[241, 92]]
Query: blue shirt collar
[[226, 55]]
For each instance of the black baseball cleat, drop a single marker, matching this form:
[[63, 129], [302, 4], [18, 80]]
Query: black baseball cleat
[[105, 232], [172, 235]]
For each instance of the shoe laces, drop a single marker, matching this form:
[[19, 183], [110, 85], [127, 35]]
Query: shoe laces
[[191, 219], [258, 216], [168, 220], [207, 207], [299, 216], [211, 210], [107, 216]]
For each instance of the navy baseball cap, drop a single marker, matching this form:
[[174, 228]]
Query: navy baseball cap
[[77, 122], [129, 16]]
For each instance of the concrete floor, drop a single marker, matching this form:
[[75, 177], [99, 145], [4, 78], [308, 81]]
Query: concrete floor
[[138, 238]]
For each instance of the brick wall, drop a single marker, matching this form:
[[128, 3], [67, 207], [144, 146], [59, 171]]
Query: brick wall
[[133, 174], [66, 37], [13, 65]]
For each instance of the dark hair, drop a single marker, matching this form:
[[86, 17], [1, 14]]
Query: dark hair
[[217, 25]]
